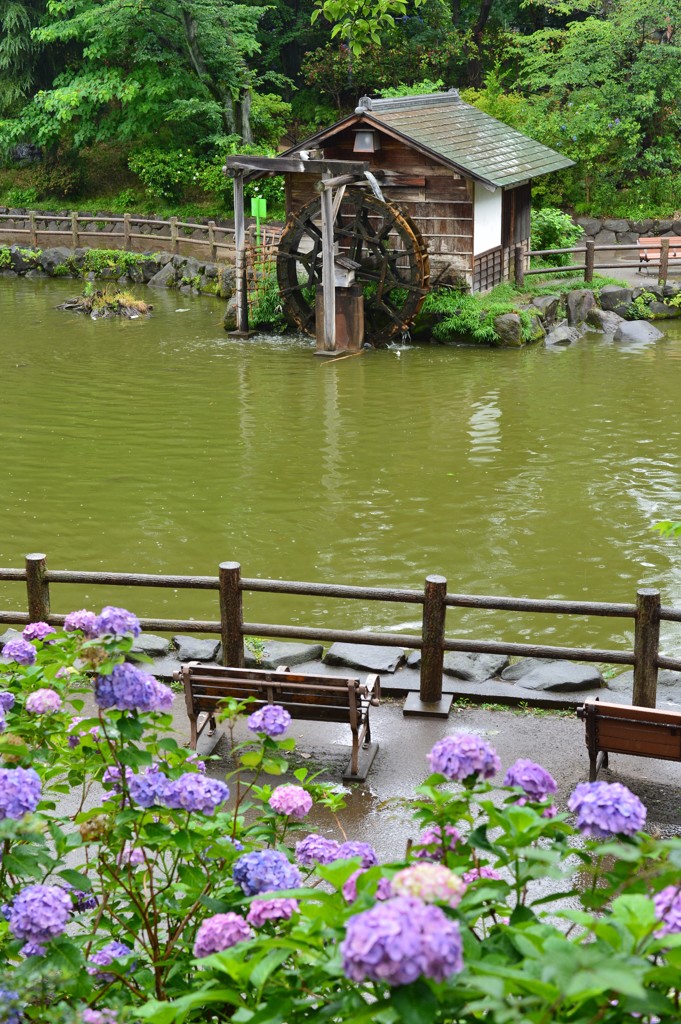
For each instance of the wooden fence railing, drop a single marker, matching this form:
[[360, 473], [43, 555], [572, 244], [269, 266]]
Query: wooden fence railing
[[133, 234], [646, 614], [589, 249]]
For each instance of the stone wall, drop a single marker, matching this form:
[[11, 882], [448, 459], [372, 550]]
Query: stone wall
[[611, 231]]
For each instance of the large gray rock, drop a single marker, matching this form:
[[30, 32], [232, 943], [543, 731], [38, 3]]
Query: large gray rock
[[164, 668], [509, 329], [667, 680], [603, 320], [229, 320], [562, 335], [578, 305], [605, 238], [227, 282], [163, 278], [191, 649], [22, 259], [275, 654], [642, 227], [365, 656], [616, 225], [154, 646], [548, 307], [474, 668], [521, 668], [562, 675], [637, 331], [590, 225], [661, 311], [55, 257], [613, 295]]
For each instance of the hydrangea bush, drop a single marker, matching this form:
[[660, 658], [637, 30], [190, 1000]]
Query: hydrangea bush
[[137, 886]]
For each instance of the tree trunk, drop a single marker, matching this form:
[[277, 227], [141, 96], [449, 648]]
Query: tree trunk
[[246, 133]]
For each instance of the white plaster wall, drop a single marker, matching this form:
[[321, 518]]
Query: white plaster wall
[[486, 219]]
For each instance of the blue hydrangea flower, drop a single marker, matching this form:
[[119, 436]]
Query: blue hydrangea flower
[[315, 849], [10, 1007], [19, 651], [106, 956], [270, 719], [364, 851], [6, 701], [113, 621], [37, 631], [668, 910], [127, 688], [148, 788], [195, 792], [19, 792], [39, 913], [535, 780], [604, 809], [265, 871], [465, 754], [82, 621], [400, 940]]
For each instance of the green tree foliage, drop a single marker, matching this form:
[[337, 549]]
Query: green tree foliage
[[18, 50]]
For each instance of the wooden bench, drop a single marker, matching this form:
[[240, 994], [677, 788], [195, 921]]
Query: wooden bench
[[319, 698], [649, 249], [627, 729]]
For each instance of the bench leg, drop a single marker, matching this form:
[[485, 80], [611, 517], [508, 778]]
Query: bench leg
[[212, 725], [193, 734], [354, 762]]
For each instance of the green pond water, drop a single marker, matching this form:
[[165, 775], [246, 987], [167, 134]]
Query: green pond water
[[162, 445]]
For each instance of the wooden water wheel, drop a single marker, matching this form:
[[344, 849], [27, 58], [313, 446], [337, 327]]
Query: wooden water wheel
[[385, 247]]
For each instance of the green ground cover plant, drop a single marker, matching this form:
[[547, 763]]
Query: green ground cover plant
[[163, 893]]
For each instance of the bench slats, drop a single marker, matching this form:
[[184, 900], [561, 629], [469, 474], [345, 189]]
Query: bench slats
[[628, 729], [280, 694]]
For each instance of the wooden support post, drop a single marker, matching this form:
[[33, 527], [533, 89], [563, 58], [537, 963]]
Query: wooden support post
[[231, 614], [519, 266], [240, 245], [33, 231], [589, 260], [429, 701], [664, 262], [126, 232], [646, 647], [75, 240], [37, 588], [211, 241], [328, 271], [174, 237]]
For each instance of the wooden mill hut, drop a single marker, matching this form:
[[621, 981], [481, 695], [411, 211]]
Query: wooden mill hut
[[463, 177]]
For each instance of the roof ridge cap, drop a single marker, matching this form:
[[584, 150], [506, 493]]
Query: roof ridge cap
[[367, 104]]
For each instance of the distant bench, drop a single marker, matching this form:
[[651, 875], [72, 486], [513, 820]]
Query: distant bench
[[627, 729], [649, 249], [319, 698]]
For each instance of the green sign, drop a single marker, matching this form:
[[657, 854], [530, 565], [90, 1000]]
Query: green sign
[[258, 207]]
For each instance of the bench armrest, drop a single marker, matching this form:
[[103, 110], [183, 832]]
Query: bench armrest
[[373, 686]]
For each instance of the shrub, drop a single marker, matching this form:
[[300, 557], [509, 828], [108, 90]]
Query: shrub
[[553, 229], [61, 177], [165, 173], [152, 898], [472, 317], [21, 197]]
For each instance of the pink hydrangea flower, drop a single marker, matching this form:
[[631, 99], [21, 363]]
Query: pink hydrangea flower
[[276, 909], [294, 801], [43, 702], [432, 883]]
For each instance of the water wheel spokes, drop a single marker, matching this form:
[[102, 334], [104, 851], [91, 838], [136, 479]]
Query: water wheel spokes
[[393, 266]]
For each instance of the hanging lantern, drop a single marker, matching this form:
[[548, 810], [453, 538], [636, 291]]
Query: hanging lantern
[[366, 141]]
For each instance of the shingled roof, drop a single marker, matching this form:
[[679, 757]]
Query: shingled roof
[[458, 134]]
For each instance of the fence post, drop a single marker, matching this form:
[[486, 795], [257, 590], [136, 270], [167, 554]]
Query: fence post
[[211, 241], [519, 266], [231, 615], [589, 260], [429, 701], [75, 241], [174, 240], [33, 233], [37, 588], [126, 232], [646, 646], [664, 262]]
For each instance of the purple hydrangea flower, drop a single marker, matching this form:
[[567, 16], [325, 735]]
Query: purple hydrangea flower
[[114, 777], [668, 910], [428, 846], [220, 932], [315, 849], [193, 759], [19, 651], [276, 909], [271, 719], [195, 792], [81, 900], [148, 788], [265, 871], [355, 849], [294, 801], [10, 1007], [6, 701], [131, 856], [458, 757], [399, 941], [163, 697], [43, 702], [127, 689], [106, 956], [3, 723], [603, 809], [82, 621], [39, 913], [384, 889], [535, 780], [432, 883], [99, 1016], [37, 631], [117, 622], [476, 874], [19, 792]]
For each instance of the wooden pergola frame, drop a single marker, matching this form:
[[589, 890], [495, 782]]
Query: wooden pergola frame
[[332, 174]]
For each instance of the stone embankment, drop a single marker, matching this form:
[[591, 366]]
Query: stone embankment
[[156, 269], [619, 312], [620, 231]]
